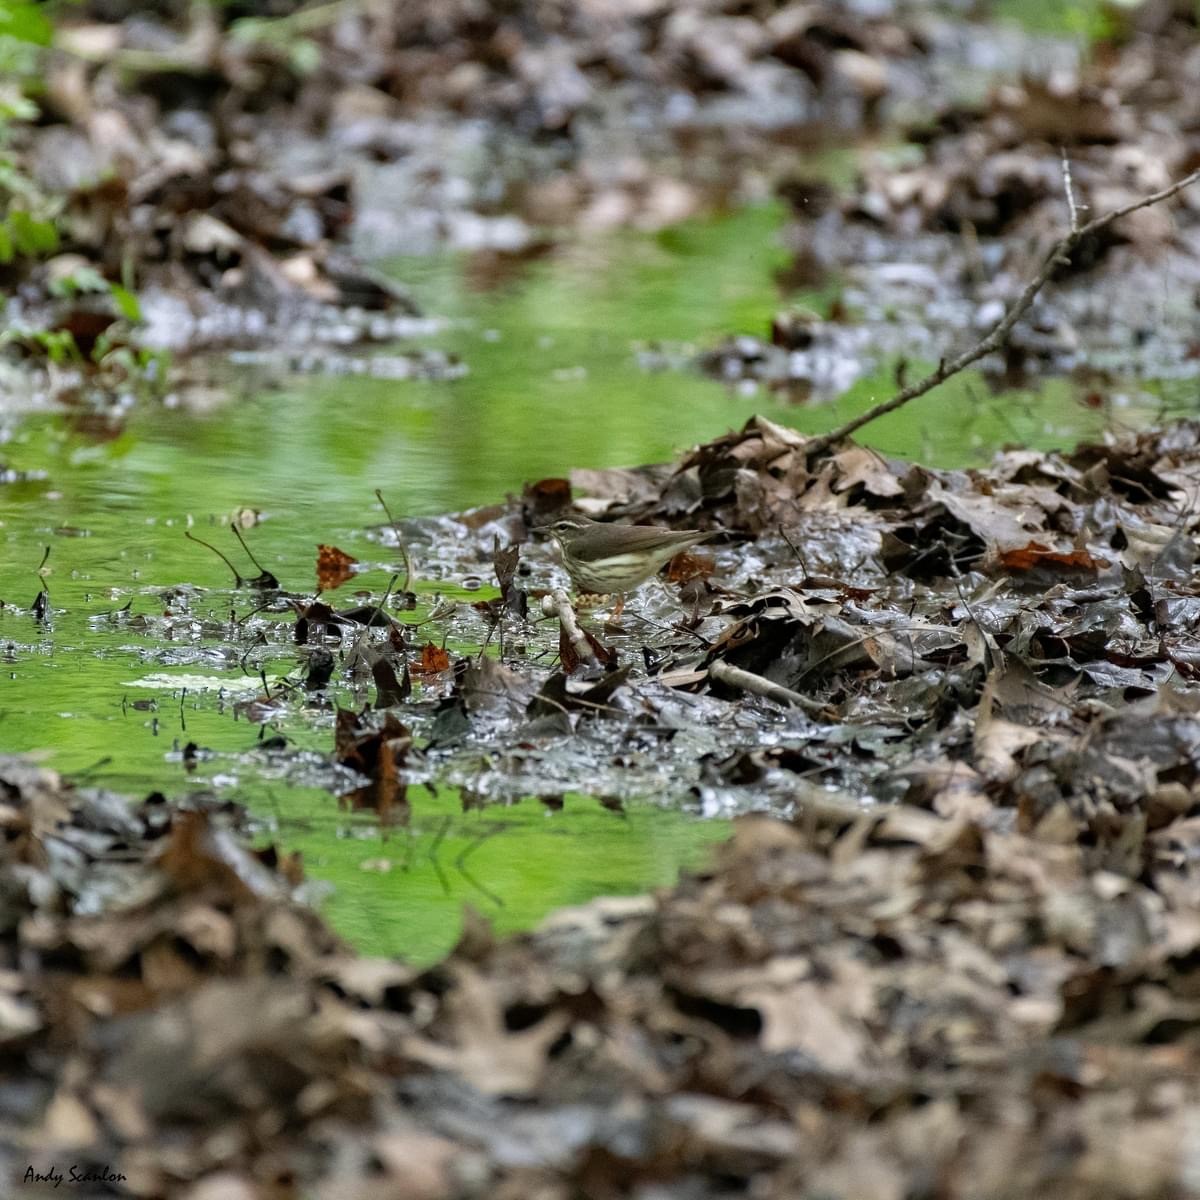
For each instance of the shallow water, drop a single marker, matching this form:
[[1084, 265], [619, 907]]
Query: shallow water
[[554, 382]]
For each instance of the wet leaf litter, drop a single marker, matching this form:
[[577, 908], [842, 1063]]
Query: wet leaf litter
[[968, 690], [961, 965], [982, 903]]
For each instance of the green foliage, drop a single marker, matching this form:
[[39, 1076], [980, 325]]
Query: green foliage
[[25, 21], [28, 215], [82, 280], [87, 280], [141, 368], [27, 225], [287, 34], [1088, 20], [58, 345], [24, 29], [113, 363], [23, 233], [15, 106], [127, 303]]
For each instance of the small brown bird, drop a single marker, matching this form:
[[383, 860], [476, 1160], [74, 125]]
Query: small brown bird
[[605, 558]]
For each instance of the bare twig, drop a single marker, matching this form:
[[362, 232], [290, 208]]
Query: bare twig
[[558, 603], [783, 533], [1069, 188], [1059, 254], [747, 681], [399, 540]]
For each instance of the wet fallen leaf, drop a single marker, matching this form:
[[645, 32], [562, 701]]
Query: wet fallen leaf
[[334, 567], [433, 661], [1036, 554], [688, 566]]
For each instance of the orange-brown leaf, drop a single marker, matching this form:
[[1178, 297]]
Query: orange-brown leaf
[[334, 567], [686, 566], [432, 661], [1036, 554]]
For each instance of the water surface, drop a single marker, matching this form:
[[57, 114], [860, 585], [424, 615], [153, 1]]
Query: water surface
[[555, 381]]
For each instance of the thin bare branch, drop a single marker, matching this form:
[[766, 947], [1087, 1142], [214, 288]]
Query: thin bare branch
[[1059, 254], [746, 681], [1069, 188]]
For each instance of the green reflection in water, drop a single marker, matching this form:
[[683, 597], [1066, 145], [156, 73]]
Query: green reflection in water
[[401, 891], [554, 383]]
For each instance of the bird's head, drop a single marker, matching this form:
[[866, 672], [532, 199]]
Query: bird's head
[[567, 529]]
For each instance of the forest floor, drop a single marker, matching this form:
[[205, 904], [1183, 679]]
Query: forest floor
[[965, 966], [965, 963]]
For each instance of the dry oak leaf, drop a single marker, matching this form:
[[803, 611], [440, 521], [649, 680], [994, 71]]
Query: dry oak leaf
[[861, 465], [486, 1054]]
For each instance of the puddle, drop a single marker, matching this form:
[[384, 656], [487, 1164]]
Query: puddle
[[556, 355]]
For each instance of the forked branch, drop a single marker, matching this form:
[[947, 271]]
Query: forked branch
[[1059, 254]]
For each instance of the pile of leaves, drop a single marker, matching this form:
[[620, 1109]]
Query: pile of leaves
[[221, 158], [893, 617], [964, 962], [901, 621], [221, 161], [972, 994], [170, 1010], [575, 101]]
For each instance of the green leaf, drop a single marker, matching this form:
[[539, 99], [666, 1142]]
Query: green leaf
[[15, 181], [6, 244], [15, 107], [32, 236], [25, 22], [127, 303], [59, 345], [304, 55], [82, 279]]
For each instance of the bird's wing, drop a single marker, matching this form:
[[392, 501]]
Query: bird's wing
[[630, 539]]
